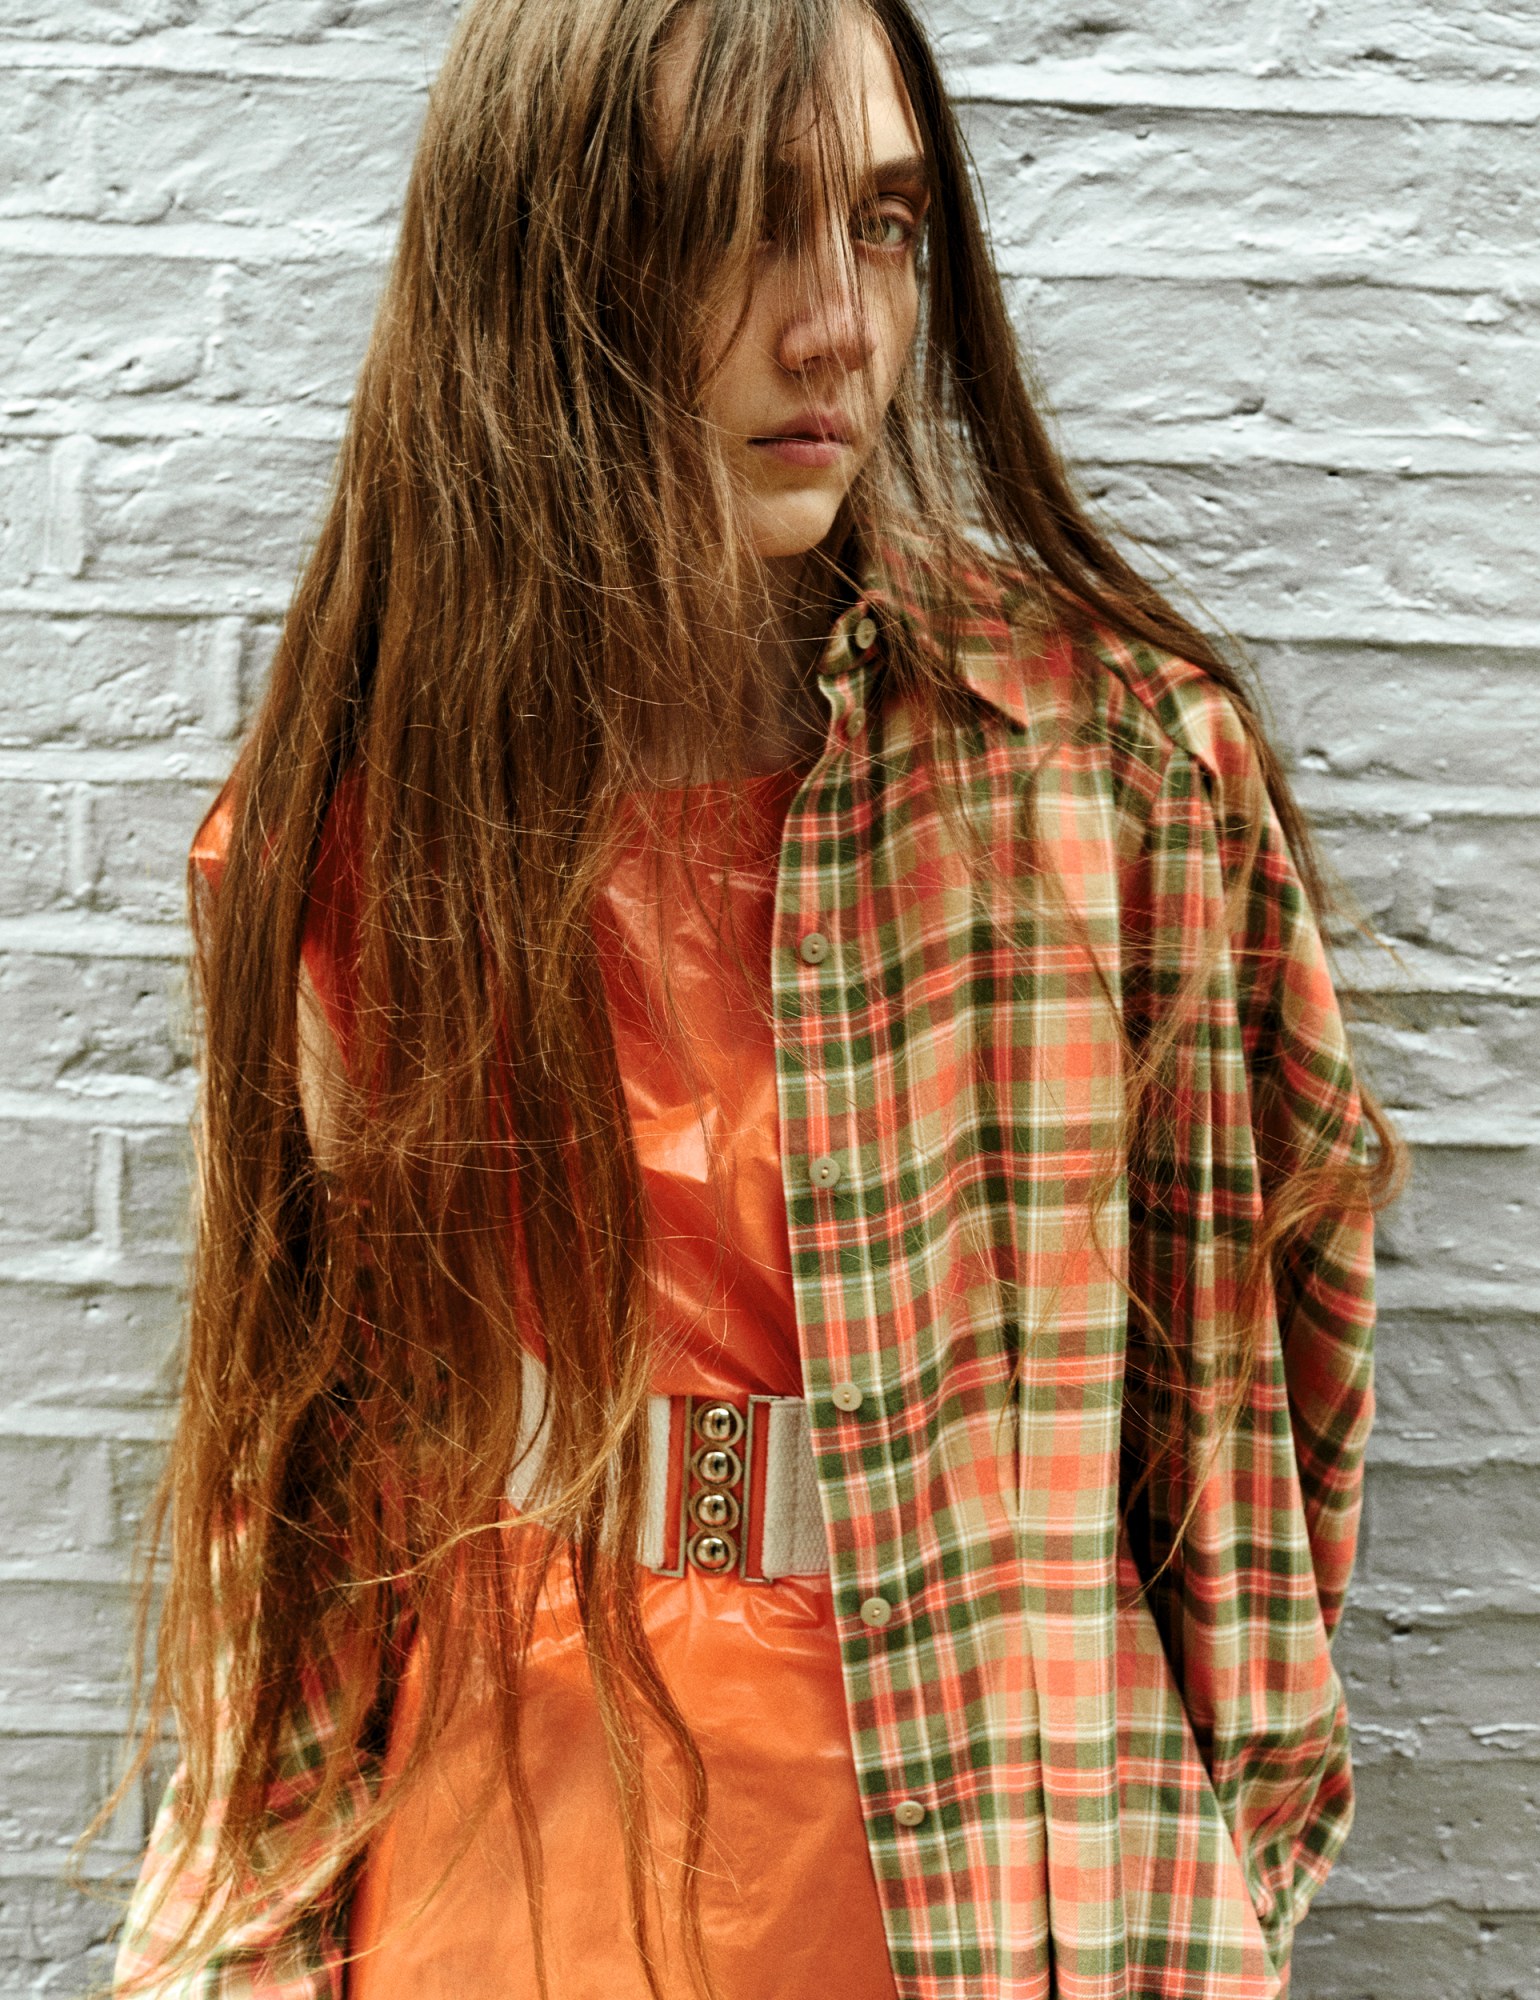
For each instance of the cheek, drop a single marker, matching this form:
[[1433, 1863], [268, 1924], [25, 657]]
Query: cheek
[[729, 362], [898, 323]]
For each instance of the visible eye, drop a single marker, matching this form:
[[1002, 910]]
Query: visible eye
[[891, 226]]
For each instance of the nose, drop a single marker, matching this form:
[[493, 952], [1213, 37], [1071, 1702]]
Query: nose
[[830, 326]]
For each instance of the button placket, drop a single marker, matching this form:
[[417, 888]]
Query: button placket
[[827, 1078], [826, 1170], [846, 675]]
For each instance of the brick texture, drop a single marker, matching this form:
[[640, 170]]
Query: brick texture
[[1273, 264]]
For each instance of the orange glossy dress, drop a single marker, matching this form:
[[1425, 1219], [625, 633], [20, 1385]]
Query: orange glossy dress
[[788, 1900]]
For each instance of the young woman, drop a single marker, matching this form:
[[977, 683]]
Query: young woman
[[779, 1352]]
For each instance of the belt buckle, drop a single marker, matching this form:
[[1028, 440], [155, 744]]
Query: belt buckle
[[720, 1463], [716, 1511]]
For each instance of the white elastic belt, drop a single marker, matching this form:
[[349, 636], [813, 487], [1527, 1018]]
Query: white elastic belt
[[731, 1485]]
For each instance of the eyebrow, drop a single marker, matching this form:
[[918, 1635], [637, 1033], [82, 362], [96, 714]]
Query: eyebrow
[[910, 172], [911, 167]]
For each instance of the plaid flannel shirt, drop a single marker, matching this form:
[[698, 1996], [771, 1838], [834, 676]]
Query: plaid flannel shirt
[[1071, 1786]]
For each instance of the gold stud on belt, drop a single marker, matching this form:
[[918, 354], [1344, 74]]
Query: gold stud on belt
[[715, 1552], [713, 1506], [717, 1465], [718, 1423]]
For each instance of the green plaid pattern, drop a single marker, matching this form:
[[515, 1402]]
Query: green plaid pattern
[[1072, 1785]]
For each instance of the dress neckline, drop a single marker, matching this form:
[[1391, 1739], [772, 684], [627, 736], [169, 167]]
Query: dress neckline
[[747, 781]]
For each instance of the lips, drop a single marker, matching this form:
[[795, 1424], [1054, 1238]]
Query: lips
[[815, 440], [812, 427]]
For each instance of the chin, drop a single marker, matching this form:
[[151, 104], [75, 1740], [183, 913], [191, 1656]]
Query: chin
[[792, 524]]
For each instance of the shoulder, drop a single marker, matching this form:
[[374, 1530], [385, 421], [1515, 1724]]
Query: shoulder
[[1188, 708], [1044, 659], [211, 843], [340, 830]]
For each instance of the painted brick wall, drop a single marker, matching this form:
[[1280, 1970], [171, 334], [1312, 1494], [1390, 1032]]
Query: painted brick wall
[[1275, 262]]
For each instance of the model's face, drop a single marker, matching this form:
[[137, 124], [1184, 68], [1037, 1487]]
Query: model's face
[[801, 371]]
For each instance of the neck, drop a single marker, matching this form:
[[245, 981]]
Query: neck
[[792, 717], [786, 718]]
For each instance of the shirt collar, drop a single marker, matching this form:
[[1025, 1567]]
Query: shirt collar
[[987, 605]]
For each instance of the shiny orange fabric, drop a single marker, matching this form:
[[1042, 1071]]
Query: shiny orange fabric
[[788, 1900]]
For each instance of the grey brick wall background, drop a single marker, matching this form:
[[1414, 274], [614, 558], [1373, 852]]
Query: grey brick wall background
[[1276, 259]]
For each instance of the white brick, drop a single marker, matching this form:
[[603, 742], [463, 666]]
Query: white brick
[[1324, 358], [1490, 1514], [1188, 181], [1446, 714], [49, 1785], [101, 680], [1471, 1371], [1279, 538], [202, 506], [1462, 1835], [33, 846], [157, 1170], [101, 1343], [45, 1182], [66, 523], [1342, 1952], [110, 20], [1182, 351], [415, 22], [95, 327], [62, 1493], [1403, 362], [140, 834], [67, 1638], [23, 507], [411, 21], [324, 311], [1435, 38], [88, 1023], [1167, 31], [145, 146], [49, 1933], [1472, 1672], [1471, 1055], [1470, 1212], [1455, 39], [1468, 887], [131, 332]]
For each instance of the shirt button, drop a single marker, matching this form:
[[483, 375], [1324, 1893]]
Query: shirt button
[[876, 1611], [909, 1812], [824, 1171], [865, 634], [814, 948], [845, 1396], [855, 722]]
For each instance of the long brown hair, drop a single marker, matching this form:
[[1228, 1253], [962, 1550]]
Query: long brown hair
[[525, 559]]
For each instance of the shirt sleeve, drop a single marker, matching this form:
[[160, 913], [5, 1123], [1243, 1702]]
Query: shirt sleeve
[[1247, 1121], [293, 1946]]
